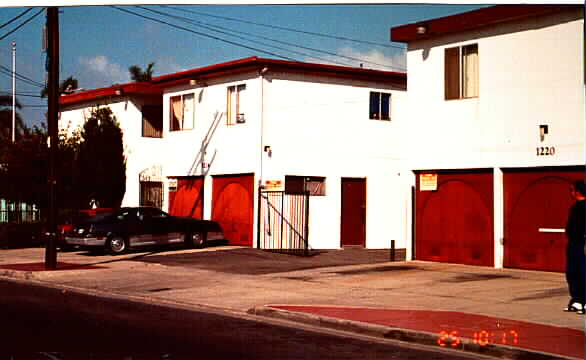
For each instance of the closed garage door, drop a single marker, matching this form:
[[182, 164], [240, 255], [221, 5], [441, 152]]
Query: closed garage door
[[187, 199], [536, 208], [454, 223], [233, 207]]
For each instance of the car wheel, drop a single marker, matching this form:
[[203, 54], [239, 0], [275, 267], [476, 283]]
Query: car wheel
[[117, 245], [199, 239]]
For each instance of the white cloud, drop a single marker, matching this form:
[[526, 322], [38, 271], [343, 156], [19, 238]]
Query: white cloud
[[372, 59], [167, 65], [100, 72]]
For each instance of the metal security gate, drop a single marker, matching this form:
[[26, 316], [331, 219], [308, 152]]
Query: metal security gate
[[283, 222]]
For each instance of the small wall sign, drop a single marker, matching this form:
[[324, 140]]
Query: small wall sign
[[427, 182], [172, 185], [273, 185]]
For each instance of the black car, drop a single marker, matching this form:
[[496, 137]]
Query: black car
[[120, 229]]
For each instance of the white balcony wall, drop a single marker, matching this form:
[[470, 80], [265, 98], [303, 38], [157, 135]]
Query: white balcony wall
[[531, 73]]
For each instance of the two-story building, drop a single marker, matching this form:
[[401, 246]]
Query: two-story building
[[496, 122], [209, 142]]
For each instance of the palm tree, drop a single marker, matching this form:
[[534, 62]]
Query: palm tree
[[66, 86], [136, 73], [6, 118]]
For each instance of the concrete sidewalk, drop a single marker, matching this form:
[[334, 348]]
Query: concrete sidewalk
[[505, 313]]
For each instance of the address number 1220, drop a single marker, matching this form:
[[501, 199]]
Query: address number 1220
[[545, 150]]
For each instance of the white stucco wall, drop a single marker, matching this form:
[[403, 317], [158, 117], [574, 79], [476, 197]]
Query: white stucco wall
[[530, 74], [314, 128], [322, 128]]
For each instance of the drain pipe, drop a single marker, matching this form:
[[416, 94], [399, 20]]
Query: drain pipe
[[261, 73]]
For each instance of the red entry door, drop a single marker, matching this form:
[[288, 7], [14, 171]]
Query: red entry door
[[353, 227], [454, 224], [233, 207], [537, 202], [188, 199]]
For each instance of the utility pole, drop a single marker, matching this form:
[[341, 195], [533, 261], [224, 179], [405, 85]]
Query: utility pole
[[13, 90], [52, 140]]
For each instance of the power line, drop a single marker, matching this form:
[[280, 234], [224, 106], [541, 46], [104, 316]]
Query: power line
[[211, 27], [35, 106], [215, 27], [15, 18], [20, 94], [6, 71], [21, 25], [202, 34], [287, 29]]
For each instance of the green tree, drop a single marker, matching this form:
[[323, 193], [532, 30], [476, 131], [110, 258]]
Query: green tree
[[137, 74], [66, 86], [24, 168], [101, 166], [6, 119]]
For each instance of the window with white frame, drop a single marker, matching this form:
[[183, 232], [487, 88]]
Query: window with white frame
[[461, 72], [380, 106], [182, 112], [235, 109]]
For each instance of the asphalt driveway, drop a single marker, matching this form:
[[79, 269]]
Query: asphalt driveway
[[258, 262]]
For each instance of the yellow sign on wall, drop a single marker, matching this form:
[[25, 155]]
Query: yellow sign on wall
[[273, 185], [427, 182]]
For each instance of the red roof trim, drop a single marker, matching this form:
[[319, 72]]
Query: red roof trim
[[134, 89], [256, 63], [473, 19], [159, 83]]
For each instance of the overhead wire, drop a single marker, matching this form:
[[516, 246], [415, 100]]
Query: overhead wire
[[8, 72], [6, 92], [22, 24], [15, 18], [215, 27], [210, 27], [287, 29], [202, 34]]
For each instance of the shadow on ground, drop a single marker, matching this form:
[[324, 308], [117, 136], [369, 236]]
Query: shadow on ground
[[258, 262]]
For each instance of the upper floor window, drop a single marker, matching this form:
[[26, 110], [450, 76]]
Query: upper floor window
[[380, 106], [235, 108], [461, 72], [152, 121], [182, 112]]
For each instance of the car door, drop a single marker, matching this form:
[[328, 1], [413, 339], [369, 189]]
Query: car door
[[159, 225], [146, 229]]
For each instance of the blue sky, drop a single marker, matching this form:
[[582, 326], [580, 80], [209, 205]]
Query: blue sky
[[99, 43]]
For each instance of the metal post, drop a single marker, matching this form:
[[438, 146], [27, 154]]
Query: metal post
[[52, 140], [13, 90], [306, 240], [258, 215], [392, 250]]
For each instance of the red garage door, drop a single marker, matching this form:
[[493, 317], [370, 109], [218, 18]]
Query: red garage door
[[233, 207], [454, 223], [536, 208], [187, 200]]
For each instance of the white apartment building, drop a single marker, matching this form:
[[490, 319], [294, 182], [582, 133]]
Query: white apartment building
[[496, 122]]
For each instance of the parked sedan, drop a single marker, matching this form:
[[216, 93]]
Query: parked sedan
[[120, 229]]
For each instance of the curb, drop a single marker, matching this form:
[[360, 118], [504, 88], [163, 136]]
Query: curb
[[405, 335]]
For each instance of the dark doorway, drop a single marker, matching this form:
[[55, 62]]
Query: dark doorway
[[353, 219]]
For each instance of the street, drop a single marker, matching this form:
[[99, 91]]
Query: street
[[78, 326]]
